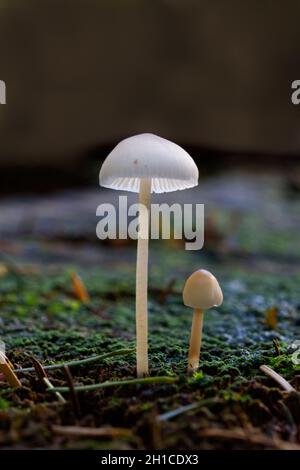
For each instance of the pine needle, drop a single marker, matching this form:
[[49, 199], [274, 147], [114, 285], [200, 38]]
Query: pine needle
[[118, 383], [278, 378], [80, 362]]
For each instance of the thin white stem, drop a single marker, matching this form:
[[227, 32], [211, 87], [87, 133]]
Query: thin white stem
[[195, 340], [142, 280]]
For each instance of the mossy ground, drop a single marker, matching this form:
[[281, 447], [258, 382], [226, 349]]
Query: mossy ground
[[41, 316]]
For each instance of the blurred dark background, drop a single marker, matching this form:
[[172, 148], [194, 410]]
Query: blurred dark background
[[214, 76]]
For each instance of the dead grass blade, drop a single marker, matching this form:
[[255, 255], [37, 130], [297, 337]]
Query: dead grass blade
[[7, 370], [73, 394], [277, 378], [41, 373], [79, 288]]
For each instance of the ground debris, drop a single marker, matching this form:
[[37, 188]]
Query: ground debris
[[79, 431], [253, 437]]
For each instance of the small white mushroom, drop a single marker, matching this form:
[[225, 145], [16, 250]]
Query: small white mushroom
[[201, 292], [146, 164]]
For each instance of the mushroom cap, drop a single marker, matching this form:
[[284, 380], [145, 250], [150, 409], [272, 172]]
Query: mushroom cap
[[202, 291], [148, 156]]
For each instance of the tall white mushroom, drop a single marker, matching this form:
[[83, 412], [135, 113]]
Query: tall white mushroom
[[146, 164]]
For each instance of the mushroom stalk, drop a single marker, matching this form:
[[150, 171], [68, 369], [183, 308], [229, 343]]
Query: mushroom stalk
[[142, 279], [195, 340]]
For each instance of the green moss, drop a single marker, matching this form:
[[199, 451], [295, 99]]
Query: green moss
[[4, 404], [40, 316]]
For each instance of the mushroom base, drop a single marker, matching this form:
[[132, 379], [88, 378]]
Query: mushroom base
[[195, 341]]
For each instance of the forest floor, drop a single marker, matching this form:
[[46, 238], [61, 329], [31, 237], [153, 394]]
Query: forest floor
[[252, 246]]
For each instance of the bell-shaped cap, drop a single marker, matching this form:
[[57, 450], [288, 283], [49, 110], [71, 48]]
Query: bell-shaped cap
[[202, 291], [148, 156]]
